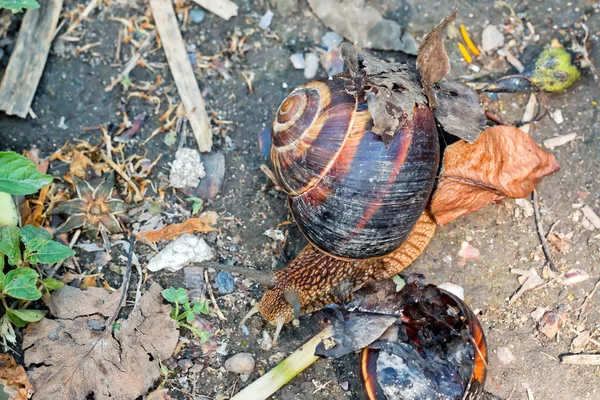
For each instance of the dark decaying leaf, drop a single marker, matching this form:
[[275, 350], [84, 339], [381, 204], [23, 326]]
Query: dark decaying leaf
[[433, 62], [459, 110], [353, 331], [503, 162], [69, 360], [392, 90]]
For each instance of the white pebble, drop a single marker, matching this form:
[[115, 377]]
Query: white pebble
[[556, 115], [241, 363], [265, 20], [453, 288], [491, 38], [311, 66], [297, 60], [331, 40]]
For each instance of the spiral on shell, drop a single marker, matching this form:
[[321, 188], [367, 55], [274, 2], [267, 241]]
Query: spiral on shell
[[351, 194]]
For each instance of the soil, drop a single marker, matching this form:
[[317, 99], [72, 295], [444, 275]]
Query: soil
[[72, 87]]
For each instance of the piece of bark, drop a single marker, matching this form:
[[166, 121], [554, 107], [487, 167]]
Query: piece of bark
[[222, 8], [503, 162], [433, 61], [28, 59], [183, 74]]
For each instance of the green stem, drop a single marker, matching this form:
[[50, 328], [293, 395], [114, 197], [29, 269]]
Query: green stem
[[285, 371], [4, 303]]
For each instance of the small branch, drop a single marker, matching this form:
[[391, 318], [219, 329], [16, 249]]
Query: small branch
[[71, 244], [540, 231], [285, 371], [212, 297], [132, 61]]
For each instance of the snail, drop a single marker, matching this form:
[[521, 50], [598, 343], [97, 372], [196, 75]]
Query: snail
[[357, 155]]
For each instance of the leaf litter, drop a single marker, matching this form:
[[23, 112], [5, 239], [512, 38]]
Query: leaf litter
[[70, 358]]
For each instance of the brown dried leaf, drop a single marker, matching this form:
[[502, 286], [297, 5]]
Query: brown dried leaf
[[41, 164], [79, 164], [72, 358], [70, 302], [172, 231], [14, 379], [502, 162], [433, 61]]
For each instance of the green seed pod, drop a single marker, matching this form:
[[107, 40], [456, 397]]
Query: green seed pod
[[554, 70]]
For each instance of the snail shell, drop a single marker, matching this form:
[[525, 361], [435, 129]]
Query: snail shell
[[351, 194], [437, 352]]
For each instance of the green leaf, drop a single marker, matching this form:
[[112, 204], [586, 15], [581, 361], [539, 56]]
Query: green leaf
[[201, 307], [30, 232], [197, 204], [48, 253], [175, 296], [20, 284], [190, 317], [18, 5], [18, 322], [18, 175], [52, 284], [29, 315], [10, 245]]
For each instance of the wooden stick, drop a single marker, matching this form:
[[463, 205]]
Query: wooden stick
[[581, 359], [27, 62], [222, 8], [285, 371], [183, 73]]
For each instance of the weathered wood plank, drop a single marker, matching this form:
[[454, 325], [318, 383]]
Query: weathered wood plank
[[27, 61], [183, 73], [223, 8]]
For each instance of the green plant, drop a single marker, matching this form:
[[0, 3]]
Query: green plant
[[22, 248], [197, 204], [184, 313], [18, 5], [18, 176]]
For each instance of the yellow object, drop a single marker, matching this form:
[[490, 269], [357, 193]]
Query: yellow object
[[465, 53], [554, 70], [468, 41], [8, 211]]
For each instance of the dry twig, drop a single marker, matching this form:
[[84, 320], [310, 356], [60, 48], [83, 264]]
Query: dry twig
[[212, 297], [540, 231]]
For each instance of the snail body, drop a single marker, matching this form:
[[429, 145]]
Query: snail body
[[359, 199]]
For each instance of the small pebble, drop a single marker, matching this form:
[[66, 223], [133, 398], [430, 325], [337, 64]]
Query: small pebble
[[185, 364], [245, 330], [575, 275], [196, 369], [265, 20], [453, 288], [467, 251], [491, 38], [550, 324], [266, 342], [224, 282], [505, 356], [556, 115], [344, 385], [297, 60], [331, 40], [311, 67], [197, 16], [241, 363], [244, 377]]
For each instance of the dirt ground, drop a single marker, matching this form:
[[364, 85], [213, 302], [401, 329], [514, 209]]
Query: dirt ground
[[72, 87]]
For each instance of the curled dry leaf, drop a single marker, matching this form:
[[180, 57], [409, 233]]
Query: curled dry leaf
[[172, 231], [70, 358], [14, 379], [41, 164], [433, 61], [502, 162]]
